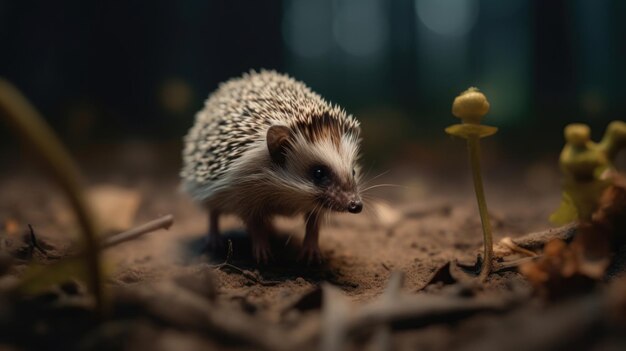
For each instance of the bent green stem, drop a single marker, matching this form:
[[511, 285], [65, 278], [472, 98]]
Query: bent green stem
[[473, 145], [31, 127]]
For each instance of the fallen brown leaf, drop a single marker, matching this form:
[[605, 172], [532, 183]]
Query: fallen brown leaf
[[558, 272]]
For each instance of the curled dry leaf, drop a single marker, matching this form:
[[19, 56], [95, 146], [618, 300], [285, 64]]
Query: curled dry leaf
[[557, 273], [611, 214], [576, 267]]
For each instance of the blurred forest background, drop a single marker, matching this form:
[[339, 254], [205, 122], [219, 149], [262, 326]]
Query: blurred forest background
[[109, 71]]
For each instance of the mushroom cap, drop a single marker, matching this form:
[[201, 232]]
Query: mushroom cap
[[470, 106], [471, 130], [617, 129], [577, 134]]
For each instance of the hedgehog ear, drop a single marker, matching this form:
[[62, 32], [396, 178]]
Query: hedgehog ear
[[278, 142]]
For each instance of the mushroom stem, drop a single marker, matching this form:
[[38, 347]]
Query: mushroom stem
[[473, 145]]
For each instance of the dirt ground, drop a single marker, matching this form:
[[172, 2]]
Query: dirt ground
[[427, 219]]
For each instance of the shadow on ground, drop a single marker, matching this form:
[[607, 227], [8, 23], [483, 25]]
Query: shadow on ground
[[284, 265]]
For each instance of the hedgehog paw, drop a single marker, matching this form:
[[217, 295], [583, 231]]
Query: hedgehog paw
[[311, 254], [261, 252]]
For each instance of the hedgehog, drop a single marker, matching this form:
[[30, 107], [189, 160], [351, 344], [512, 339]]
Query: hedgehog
[[265, 145]]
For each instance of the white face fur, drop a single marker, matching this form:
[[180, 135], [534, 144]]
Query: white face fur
[[325, 171]]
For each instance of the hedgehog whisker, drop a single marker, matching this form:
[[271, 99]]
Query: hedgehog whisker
[[370, 213], [326, 214], [368, 181], [306, 222], [326, 217], [368, 201], [288, 239], [367, 198], [366, 174], [371, 196], [384, 185], [315, 210]]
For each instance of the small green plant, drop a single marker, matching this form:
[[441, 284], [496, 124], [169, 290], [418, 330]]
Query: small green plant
[[586, 167], [30, 126], [470, 106], [613, 141]]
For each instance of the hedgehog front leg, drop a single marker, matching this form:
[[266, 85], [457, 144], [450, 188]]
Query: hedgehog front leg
[[213, 240], [310, 246], [259, 230]]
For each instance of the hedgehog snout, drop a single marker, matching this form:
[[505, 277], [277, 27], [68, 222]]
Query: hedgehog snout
[[355, 206], [340, 199], [352, 200]]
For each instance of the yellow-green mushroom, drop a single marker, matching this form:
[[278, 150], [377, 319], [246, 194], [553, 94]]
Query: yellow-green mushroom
[[471, 106], [614, 140], [584, 165]]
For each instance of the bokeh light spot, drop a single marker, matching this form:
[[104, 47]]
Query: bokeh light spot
[[307, 27], [447, 17], [360, 26], [175, 95]]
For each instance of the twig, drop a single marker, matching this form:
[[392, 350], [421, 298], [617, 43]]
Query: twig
[[244, 272], [335, 319], [538, 239], [393, 310], [248, 274], [33, 242], [564, 326], [512, 265], [534, 241], [381, 340], [164, 222], [184, 310], [31, 127], [423, 310], [509, 243], [229, 254], [42, 276]]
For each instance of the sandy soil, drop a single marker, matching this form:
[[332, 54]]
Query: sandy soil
[[430, 219]]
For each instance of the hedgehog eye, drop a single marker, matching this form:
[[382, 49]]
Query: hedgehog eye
[[353, 172], [320, 175]]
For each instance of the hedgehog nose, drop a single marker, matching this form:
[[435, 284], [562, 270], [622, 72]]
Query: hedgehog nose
[[355, 206]]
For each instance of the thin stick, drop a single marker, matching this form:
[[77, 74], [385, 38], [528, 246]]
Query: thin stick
[[424, 309], [164, 222], [538, 239], [381, 340], [33, 241], [253, 277], [513, 265], [534, 241], [509, 243], [32, 128], [335, 317], [170, 305], [33, 277]]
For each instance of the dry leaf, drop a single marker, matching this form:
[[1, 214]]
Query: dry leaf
[[557, 273], [115, 207]]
